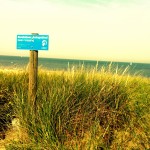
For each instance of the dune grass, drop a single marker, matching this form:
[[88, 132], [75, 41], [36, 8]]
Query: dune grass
[[79, 110]]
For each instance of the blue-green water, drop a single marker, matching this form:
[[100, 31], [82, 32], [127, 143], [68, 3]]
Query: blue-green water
[[63, 64]]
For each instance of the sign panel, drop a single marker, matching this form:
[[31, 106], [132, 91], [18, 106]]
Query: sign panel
[[32, 42]]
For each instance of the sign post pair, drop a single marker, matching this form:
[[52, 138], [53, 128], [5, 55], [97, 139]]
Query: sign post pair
[[32, 42]]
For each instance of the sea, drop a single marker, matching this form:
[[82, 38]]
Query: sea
[[131, 68]]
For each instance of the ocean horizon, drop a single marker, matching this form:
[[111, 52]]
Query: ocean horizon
[[18, 62]]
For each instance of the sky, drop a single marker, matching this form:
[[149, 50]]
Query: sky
[[107, 30]]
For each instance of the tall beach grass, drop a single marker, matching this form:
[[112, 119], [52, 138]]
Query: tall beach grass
[[79, 109]]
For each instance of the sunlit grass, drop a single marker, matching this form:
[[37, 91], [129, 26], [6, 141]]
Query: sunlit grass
[[80, 109]]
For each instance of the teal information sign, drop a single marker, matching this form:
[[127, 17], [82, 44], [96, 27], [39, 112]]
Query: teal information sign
[[32, 42]]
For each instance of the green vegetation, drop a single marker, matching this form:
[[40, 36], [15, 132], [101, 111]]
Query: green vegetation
[[78, 110]]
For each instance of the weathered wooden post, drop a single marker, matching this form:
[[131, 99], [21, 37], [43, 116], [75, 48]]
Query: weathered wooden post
[[33, 73]]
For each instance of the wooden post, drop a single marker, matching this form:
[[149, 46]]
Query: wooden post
[[33, 73]]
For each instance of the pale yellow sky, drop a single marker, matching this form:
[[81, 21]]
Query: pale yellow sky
[[115, 31]]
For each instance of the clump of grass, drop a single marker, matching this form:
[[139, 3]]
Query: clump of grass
[[80, 109], [6, 100]]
